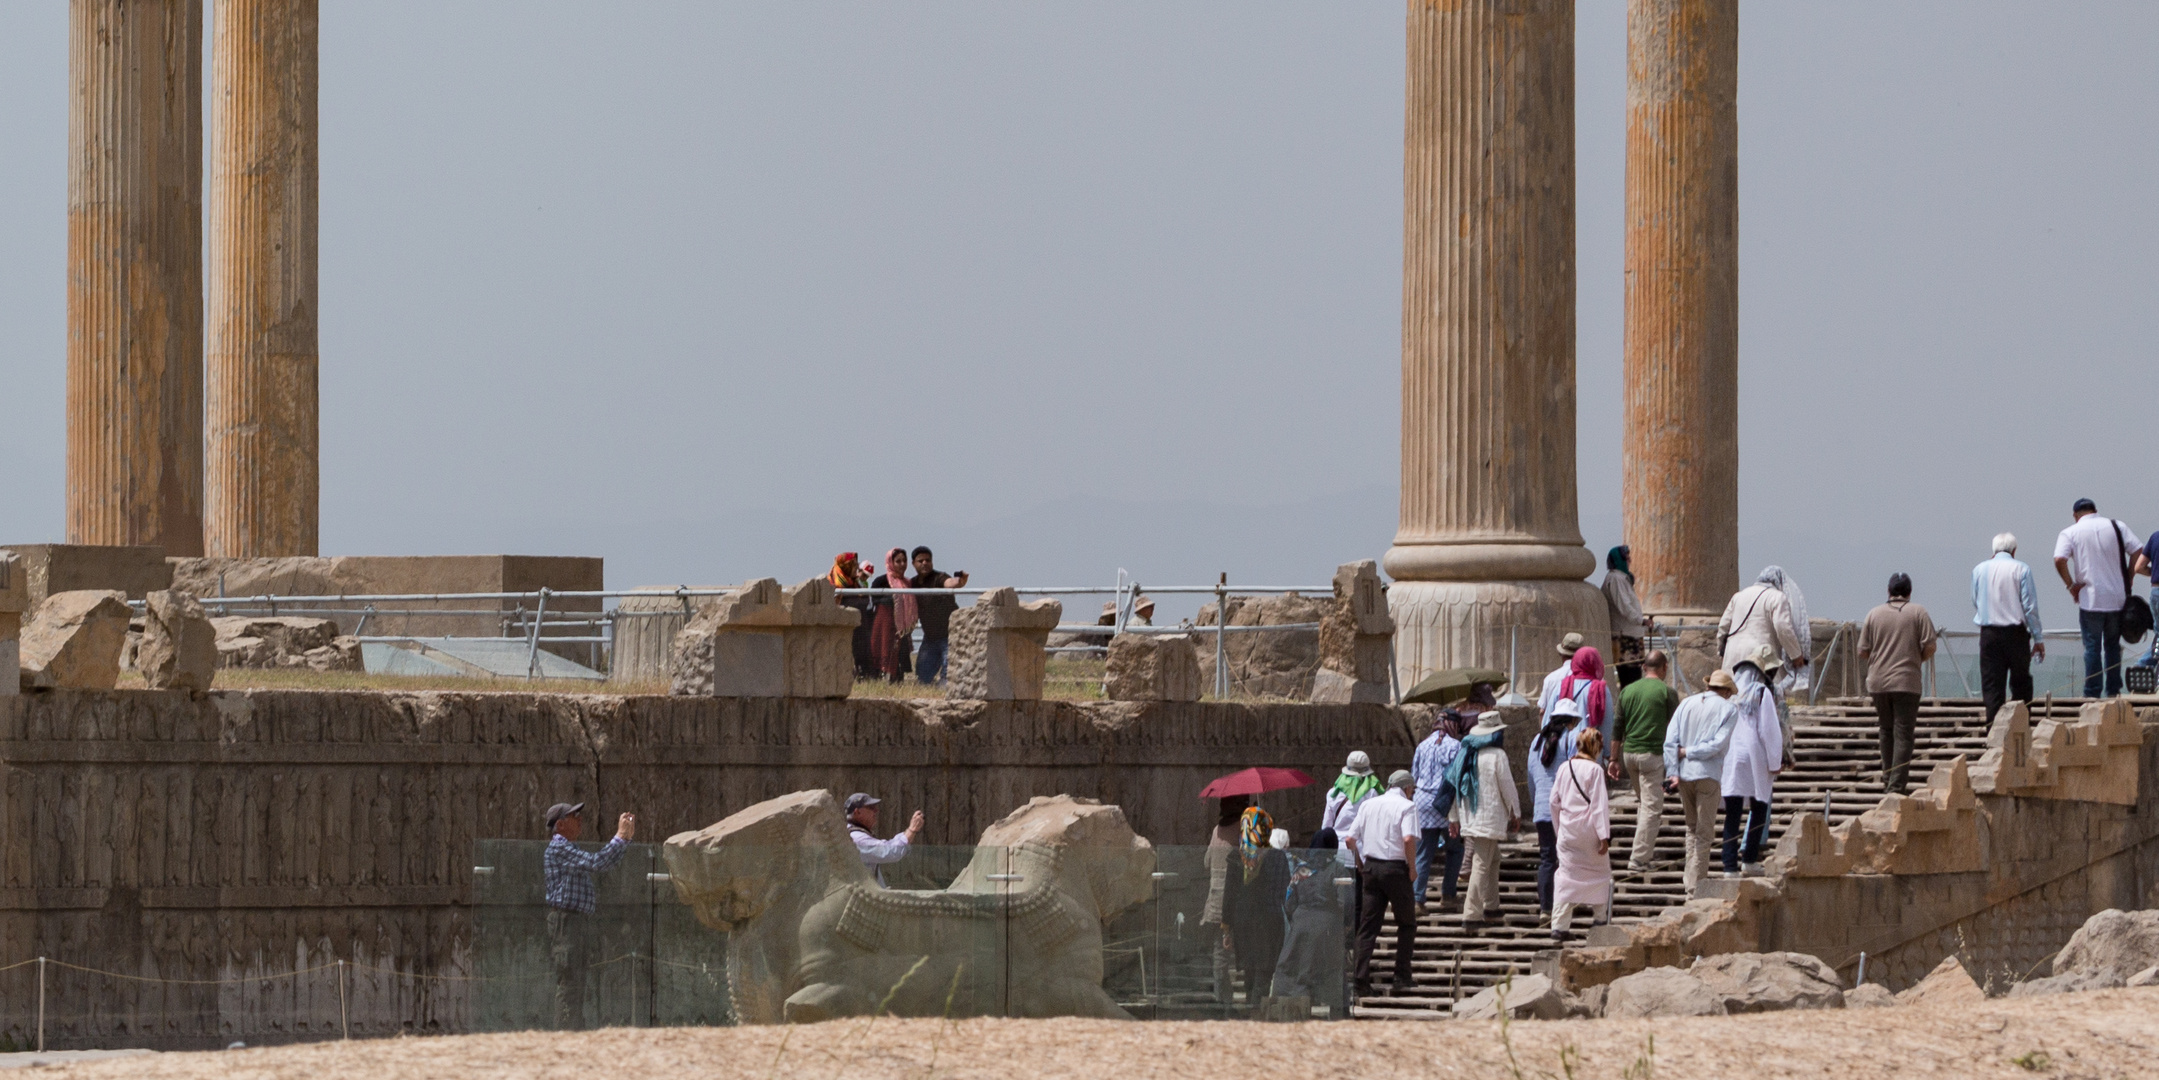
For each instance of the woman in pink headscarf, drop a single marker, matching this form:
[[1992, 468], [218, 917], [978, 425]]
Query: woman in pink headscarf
[[1585, 684], [892, 632]]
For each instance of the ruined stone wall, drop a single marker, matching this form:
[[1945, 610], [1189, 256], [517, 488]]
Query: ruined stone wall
[[249, 834]]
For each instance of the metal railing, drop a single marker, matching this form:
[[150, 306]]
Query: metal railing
[[531, 619]]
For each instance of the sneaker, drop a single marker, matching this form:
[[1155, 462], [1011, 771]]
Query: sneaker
[[1752, 869], [1560, 935]]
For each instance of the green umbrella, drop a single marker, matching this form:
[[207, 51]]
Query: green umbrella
[[1452, 685]]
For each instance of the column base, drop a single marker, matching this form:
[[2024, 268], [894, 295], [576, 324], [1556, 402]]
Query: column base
[[1449, 624]]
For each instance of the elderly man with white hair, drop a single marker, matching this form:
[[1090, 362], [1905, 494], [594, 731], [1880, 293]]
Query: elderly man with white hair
[[2006, 601]]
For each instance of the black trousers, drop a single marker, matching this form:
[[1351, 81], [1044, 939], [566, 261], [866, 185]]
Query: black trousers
[[1755, 814], [2005, 654], [1897, 714], [1547, 864], [569, 934], [1386, 884]]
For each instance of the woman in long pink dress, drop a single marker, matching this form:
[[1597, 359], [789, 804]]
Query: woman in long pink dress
[[1582, 818]]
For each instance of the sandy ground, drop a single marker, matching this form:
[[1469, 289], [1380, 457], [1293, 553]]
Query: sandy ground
[[2113, 1033]]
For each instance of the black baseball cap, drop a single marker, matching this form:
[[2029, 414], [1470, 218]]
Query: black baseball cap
[[562, 810], [858, 800]]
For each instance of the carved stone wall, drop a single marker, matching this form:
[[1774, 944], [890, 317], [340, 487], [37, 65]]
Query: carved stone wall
[[177, 835]]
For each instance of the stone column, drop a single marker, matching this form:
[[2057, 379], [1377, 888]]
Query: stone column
[[262, 488], [1489, 544], [134, 274], [1681, 455]]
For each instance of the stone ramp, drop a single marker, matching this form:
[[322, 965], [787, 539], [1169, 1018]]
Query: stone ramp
[[1838, 757]]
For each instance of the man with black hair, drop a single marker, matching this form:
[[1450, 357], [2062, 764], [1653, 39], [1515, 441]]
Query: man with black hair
[[936, 614], [1896, 639]]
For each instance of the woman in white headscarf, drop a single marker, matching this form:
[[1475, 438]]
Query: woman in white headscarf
[[1751, 760], [1771, 612]]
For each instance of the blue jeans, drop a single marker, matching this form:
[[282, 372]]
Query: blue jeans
[[1436, 846], [930, 662], [2102, 652], [2151, 653]]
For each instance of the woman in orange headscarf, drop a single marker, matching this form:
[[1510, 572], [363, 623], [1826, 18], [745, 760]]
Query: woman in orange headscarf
[[848, 573], [892, 634]]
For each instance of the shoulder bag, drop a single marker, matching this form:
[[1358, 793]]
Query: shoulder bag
[[2136, 614]]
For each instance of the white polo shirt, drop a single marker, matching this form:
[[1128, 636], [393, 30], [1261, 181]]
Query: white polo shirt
[[2090, 545], [1383, 822]]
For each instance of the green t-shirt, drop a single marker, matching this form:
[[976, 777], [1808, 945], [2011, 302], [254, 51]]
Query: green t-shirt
[[1645, 710]]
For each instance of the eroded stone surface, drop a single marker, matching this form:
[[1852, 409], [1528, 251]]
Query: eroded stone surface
[[1153, 667], [2074, 982], [2113, 944], [276, 641], [1528, 997], [74, 641], [1949, 983], [762, 641], [179, 646], [996, 651], [1276, 663], [1770, 982], [1869, 996], [1356, 640], [1662, 991]]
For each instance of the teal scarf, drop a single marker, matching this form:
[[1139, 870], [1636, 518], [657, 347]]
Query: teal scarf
[[1462, 771]]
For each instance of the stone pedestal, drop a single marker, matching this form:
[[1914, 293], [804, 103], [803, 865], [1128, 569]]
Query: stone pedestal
[[763, 641], [1681, 451], [134, 274], [1356, 641], [996, 652], [1152, 667], [179, 645], [1489, 546], [261, 488]]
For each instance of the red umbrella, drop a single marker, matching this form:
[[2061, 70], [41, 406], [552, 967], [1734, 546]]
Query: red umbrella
[[1254, 781]]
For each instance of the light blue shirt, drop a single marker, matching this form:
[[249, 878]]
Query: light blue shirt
[[1429, 769], [1702, 725], [1541, 775], [1994, 583], [877, 854]]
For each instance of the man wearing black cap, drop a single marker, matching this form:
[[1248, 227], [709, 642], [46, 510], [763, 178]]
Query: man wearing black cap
[[862, 825], [571, 901]]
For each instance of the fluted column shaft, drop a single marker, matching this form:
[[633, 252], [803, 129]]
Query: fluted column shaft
[[1681, 459], [263, 485], [1488, 483], [134, 274]]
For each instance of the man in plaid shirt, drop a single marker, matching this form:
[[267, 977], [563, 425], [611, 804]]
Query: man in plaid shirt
[[571, 901]]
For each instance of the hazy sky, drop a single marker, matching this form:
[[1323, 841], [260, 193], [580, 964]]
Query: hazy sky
[[718, 289]]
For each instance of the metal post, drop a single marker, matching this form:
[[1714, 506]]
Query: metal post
[[40, 1004], [1221, 638], [1514, 640], [532, 660], [344, 1014], [1862, 979]]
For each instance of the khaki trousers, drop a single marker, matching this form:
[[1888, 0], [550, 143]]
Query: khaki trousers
[[1699, 802], [1647, 772], [1483, 877]]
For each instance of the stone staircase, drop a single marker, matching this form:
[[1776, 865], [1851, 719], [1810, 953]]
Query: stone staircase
[[1837, 747]]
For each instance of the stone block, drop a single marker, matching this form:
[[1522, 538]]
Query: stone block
[[2093, 758], [50, 569], [762, 641], [1811, 849], [277, 641], [74, 641], [179, 646], [2114, 944], [645, 629], [14, 596], [14, 584], [1947, 984], [996, 651], [1356, 640], [1661, 991], [1527, 997], [1153, 667], [1869, 996], [1277, 663], [1770, 982]]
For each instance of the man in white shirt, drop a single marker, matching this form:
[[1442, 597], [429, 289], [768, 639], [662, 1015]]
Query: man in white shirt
[[1384, 843], [862, 826], [1550, 693], [2005, 605], [2090, 556]]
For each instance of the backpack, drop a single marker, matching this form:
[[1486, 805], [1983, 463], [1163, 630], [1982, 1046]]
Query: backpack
[[2136, 614]]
